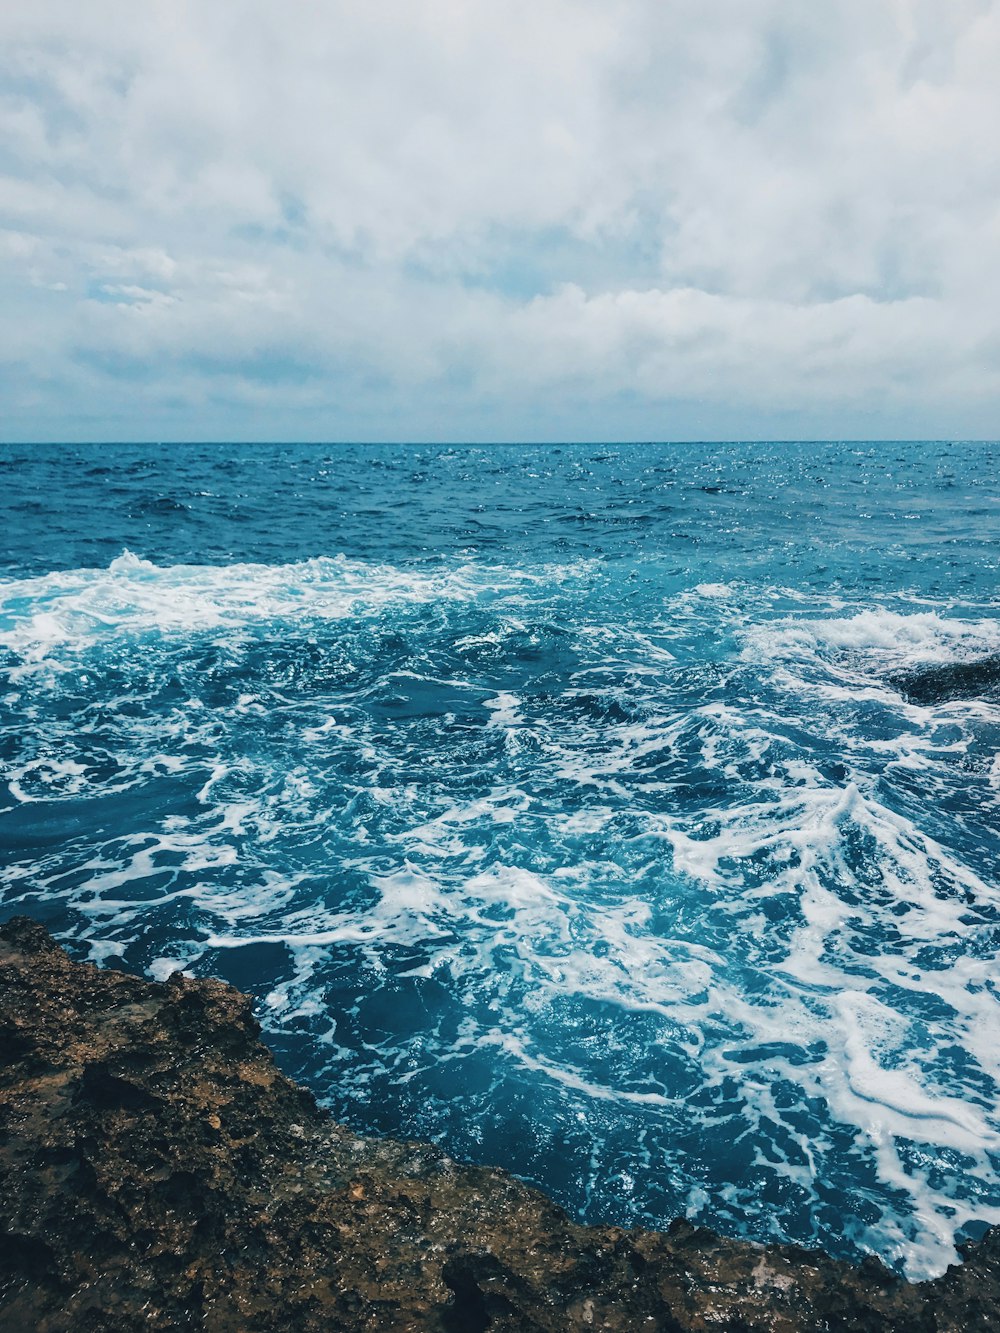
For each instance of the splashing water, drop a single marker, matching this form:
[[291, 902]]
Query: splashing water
[[558, 804]]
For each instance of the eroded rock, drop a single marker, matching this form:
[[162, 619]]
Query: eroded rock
[[158, 1172]]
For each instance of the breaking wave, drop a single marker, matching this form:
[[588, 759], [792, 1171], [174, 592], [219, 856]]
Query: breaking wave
[[655, 889]]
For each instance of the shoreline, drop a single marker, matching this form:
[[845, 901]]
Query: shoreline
[[157, 1171]]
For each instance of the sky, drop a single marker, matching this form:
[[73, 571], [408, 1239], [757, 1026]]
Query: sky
[[499, 220]]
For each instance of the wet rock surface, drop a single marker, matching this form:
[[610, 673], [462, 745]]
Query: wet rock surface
[[950, 681], [158, 1172]]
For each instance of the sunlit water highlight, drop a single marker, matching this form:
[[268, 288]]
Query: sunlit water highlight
[[558, 804]]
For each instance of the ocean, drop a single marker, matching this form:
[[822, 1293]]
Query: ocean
[[625, 816]]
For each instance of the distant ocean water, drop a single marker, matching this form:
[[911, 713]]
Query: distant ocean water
[[622, 816]]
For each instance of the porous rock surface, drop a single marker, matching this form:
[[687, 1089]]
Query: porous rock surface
[[158, 1172]]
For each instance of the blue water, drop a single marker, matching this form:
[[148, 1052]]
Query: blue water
[[554, 803]]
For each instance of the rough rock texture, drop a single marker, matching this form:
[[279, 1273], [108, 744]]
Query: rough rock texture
[[158, 1172], [949, 681]]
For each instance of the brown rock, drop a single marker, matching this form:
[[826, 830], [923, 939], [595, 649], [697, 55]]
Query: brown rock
[[158, 1172]]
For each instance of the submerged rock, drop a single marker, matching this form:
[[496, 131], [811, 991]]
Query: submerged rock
[[158, 1172], [979, 679]]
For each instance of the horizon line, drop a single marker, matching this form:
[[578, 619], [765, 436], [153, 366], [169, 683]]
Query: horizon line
[[527, 444]]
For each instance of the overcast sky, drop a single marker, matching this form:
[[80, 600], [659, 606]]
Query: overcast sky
[[499, 219]]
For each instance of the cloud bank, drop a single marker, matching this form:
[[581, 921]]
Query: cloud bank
[[451, 219]]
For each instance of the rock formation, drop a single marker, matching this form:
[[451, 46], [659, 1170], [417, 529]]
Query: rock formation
[[949, 681], [158, 1172]]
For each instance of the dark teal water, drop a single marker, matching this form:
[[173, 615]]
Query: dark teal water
[[562, 804]]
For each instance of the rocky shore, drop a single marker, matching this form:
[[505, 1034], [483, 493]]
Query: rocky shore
[[158, 1172]]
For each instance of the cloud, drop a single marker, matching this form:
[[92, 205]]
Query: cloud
[[466, 219]]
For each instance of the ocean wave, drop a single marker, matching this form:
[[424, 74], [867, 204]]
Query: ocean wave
[[681, 881], [60, 613]]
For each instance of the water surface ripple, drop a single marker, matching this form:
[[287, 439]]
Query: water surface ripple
[[567, 805]]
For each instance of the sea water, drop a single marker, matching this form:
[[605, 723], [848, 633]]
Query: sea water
[[564, 805]]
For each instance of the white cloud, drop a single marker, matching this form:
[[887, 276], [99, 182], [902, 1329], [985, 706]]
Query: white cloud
[[444, 218]]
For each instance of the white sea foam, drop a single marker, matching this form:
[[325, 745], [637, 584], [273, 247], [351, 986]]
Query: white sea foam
[[894, 1102], [718, 878], [48, 618], [925, 636]]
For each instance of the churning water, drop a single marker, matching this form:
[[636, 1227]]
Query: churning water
[[585, 809]]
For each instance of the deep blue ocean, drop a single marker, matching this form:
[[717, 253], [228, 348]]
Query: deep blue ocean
[[566, 805]]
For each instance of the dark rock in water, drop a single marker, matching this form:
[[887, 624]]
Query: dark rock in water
[[955, 680], [158, 1172]]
